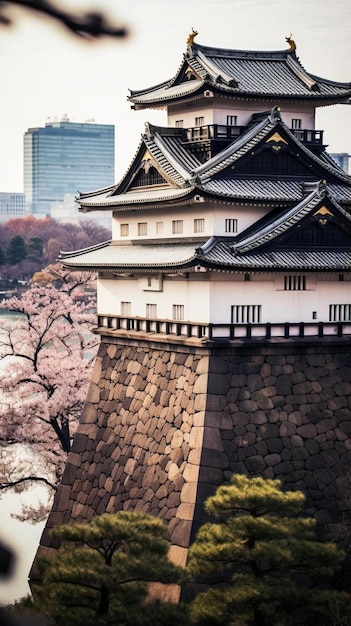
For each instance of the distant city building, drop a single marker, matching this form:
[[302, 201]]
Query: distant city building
[[343, 160], [66, 157], [11, 205]]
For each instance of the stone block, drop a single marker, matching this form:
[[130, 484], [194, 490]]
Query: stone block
[[212, 439], [274, 445], [196, 437], [200, 402], [267, 431], [307, 431], [93, 395], [255, 464], [185, 511], [283, 385], [191, 473], [265, 404], [214, 458], [188, 493], [180, 536], [272, 459], [217, 384]]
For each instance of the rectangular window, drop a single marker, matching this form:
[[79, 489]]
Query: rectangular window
[[199, 121], [179, 123], [159, 227], [296, 124], [339, 312], [126, 308], [178, 311], [151, 310], [246, 313], [232, 120], [199, 225], [177, 227], [231, 225], [294, 283], [142, 228], [124, 228]]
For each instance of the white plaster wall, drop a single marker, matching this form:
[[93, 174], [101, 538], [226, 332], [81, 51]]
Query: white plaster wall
[[209, 296], [214, 216], [215, 111], [278, 305], [194, 295], [188, 114]]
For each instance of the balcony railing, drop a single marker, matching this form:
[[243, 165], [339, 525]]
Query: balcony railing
[[220, 332], [214, 131], [229, 133], [312, 137]]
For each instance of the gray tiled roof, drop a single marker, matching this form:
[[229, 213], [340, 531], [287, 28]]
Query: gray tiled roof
[[244, 73], [186, 175], [117, 256], [144, 197], [275, 260]]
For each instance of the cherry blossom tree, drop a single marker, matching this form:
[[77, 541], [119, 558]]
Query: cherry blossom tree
[[46, 349]]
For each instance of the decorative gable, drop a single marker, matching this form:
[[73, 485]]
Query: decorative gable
[[273, 160], [147, 176], [325, 228]]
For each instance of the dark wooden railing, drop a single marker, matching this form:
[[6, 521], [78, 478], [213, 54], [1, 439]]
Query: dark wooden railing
[[214, 131], [220, 332], [309, 137], [225, 133]]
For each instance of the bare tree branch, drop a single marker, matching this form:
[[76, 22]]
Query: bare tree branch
[[89, 25], [27, 479]]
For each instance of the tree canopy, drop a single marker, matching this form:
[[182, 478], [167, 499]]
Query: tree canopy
[[28, 244], [101, 573], [261, 558]]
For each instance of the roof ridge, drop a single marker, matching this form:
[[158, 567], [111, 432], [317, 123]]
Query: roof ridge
[[240, 52], [173, 161]]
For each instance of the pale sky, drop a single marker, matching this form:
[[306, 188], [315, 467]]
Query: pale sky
[[45, 72]]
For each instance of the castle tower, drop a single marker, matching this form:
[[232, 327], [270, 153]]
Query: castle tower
[[224, 301]]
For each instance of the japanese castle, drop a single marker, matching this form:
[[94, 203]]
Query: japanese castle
[[224, 302], [233, 214]]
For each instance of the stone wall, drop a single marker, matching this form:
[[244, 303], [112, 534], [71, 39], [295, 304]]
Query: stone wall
[[165, 423]]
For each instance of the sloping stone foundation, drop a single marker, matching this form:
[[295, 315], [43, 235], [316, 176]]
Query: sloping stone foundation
[[164, 424]]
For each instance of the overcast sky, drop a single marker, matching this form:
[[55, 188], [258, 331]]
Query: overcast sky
[[45, 73]]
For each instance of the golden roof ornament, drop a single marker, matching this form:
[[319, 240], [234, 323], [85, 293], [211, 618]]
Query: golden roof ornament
[[191, 37], [291, 42]]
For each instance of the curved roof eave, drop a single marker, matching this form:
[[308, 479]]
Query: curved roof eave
[[132, 199], [132, 257]]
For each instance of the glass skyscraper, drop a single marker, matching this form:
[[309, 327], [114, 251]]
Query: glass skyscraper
[[64, 158]]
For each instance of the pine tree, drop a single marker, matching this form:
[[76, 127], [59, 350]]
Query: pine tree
[[261, 559], [100, 575], [16, 250]]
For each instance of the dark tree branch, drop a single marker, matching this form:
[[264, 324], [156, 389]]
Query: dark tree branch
[[27, 479], [90, 25]]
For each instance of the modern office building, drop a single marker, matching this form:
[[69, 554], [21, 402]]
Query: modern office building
[[342, 159], [11, 205], [66, 157]]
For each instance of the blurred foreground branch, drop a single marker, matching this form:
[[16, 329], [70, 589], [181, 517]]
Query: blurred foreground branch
[[89, 25]]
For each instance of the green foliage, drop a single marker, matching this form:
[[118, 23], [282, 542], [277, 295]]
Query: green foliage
[[100, 574], [35, 247], [256, 556], [16, 250]]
